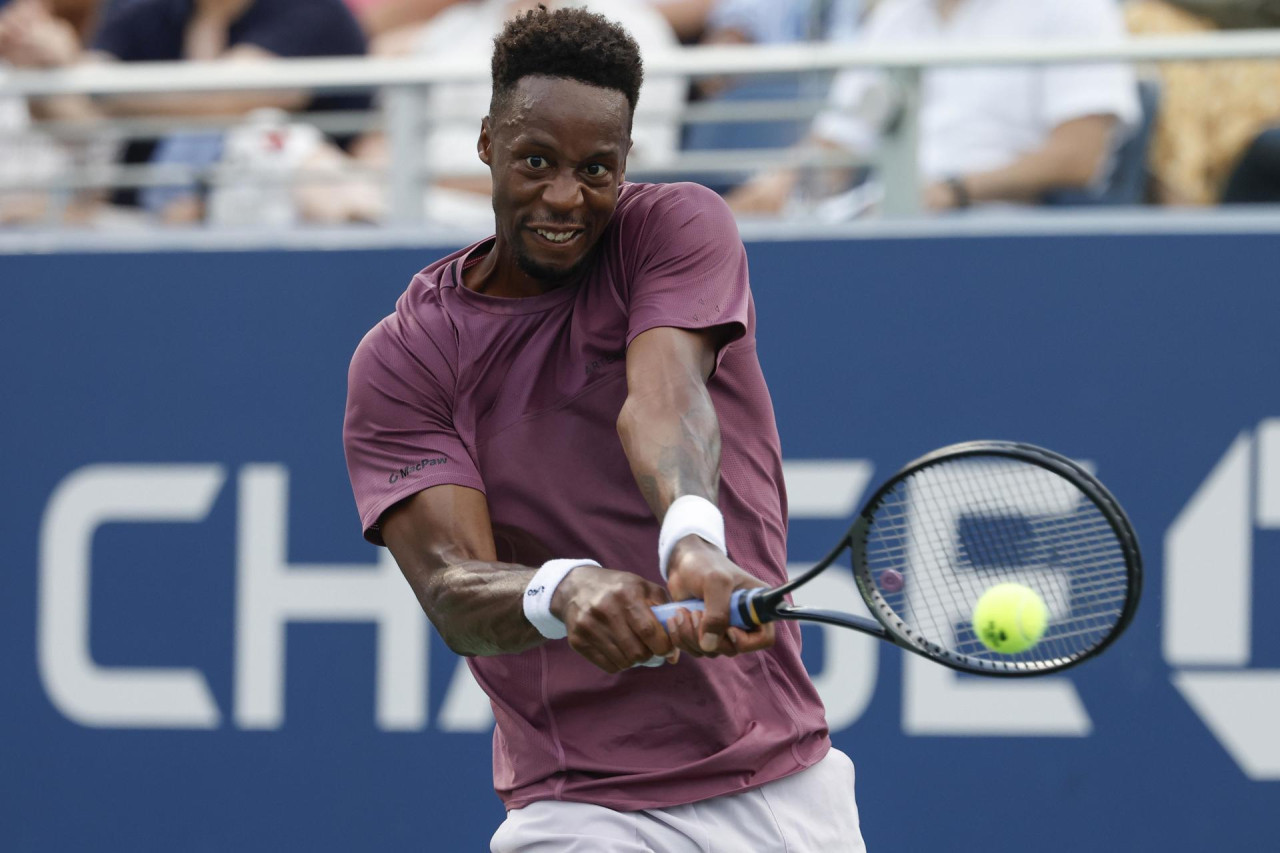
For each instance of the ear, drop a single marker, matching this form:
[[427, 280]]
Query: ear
[[484, 145], [622, 175]]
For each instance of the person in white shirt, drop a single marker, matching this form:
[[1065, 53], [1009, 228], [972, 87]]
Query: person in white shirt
[[27, 158], [993, 134]]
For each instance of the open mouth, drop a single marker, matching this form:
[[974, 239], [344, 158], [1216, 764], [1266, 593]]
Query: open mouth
[[557, 236]]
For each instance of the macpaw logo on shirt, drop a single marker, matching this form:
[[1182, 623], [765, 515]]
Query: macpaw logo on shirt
[[416, 467]]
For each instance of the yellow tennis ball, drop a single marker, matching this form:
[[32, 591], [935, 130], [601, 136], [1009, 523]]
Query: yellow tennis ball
[[1010, 618]]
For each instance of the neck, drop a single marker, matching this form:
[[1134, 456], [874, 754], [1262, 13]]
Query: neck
[[499, 274]]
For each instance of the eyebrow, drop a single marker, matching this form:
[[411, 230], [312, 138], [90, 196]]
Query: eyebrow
[[541, 141]]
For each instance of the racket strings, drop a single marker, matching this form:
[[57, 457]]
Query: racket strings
[[945, 534]]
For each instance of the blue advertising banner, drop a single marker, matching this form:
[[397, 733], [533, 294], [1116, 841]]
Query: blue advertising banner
[[200, 652]]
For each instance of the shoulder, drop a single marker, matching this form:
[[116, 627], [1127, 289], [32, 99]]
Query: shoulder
[[660, 210], [419, 337]]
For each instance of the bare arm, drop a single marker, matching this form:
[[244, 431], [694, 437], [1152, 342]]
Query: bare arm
[[443, 542], [1070, 158], [394, 14], [671, 436], [213, 103], [686, 17], [768, 192]]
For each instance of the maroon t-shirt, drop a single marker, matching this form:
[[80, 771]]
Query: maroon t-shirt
[[519, 398]]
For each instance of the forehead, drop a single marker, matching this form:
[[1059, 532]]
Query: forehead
[[564, 112]]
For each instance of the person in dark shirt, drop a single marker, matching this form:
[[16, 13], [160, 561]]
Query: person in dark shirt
[[169, 30], [202, 30]]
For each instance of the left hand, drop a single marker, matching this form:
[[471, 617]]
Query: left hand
[[699, 570]]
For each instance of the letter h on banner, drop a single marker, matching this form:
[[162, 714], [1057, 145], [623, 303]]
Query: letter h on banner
[[272, 593]]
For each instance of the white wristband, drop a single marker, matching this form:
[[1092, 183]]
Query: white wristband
[[689, 515], [537, 596]]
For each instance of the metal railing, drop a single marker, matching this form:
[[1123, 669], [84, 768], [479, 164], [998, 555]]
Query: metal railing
[[404, 82]]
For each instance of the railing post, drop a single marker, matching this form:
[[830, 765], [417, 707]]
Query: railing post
[[406, 176], [899, 162]]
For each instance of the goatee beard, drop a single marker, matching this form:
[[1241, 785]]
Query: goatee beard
[[546, 274]]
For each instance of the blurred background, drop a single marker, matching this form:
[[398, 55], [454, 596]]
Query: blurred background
[[1045, 220]]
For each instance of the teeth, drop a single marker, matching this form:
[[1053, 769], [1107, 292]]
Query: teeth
[[562, 237]]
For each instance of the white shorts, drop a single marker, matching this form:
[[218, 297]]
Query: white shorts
[[812, 811]]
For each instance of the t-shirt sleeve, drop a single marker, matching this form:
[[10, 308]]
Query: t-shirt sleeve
[[296, 28], [691, 267], [399, 434], [1072, 90]]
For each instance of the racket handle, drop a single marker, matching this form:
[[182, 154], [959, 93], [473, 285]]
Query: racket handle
[[741, 611]]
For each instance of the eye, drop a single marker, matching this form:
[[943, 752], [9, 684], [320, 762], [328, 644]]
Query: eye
[[535, 161], [595, 170]]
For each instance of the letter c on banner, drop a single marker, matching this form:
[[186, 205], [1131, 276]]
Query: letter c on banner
[[83, 691]]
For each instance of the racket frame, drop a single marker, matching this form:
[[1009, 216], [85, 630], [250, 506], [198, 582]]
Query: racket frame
[[760, 606]]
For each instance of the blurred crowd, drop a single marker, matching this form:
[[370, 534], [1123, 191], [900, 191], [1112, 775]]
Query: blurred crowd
[[1193, 133]]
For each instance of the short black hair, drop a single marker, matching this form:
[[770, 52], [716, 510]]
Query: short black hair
[[570, 43]]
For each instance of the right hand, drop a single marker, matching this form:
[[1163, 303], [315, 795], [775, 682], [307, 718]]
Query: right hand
[[608, 618]]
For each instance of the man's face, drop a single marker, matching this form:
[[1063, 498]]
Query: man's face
[[558, 153]]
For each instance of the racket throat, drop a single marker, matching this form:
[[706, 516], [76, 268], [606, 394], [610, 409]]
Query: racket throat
[[757, 606]]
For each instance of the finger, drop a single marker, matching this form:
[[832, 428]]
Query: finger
[[752, 641], [649, 630], [617, 632], [685, 634], [715, 619], [594, 657], [592, 637]]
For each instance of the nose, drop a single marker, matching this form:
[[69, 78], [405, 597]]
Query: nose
[[563, 193]]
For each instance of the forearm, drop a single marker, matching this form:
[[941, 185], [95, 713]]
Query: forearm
[[1071, 158], [1026, 179], [214, 104], [478, 607], [442, 539], [671, 437], [79, 108]]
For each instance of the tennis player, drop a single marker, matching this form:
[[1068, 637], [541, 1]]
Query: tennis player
[[567, 423]]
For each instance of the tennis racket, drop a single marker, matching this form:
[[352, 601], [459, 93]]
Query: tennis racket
[[954, 523]]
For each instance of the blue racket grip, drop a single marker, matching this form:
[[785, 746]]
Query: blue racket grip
[[738, 610]]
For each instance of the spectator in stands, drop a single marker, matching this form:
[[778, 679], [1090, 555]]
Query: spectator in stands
[[223, 30], [1211, 112], [392, 24], [766, 22], [1234, 14], [1256, 178], [688, 18], [781, 21], [30, 30], [466, 30], [999, 134], [26, 157]]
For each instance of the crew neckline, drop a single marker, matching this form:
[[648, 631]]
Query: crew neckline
[[505, 304]]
